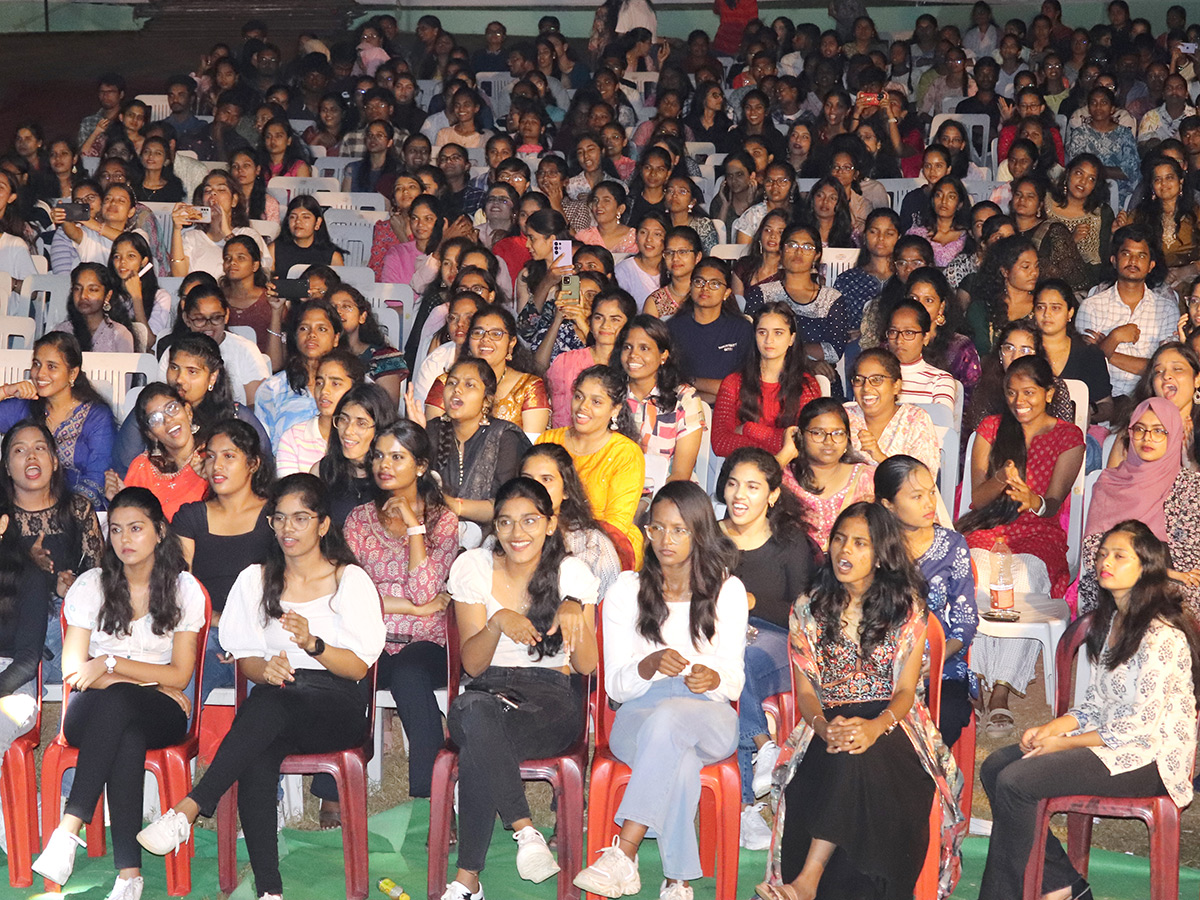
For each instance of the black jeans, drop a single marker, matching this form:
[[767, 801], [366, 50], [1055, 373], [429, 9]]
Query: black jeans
[[1015, 785], [113, 728], [317, 713], [494, 739], [412, 675]]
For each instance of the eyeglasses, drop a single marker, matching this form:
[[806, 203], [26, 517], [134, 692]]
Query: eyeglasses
[[499, 201], [673, 253], [824, 437], [345, 421], [907, 334], [1155, 435], [873, 380], [299, 521], [909, 263], [782, 179], [170, 411], [701, 283], [496, 334], [796, 245], [1014, 350], [847, 167], [674, 535], [505, 524], [211, 321]]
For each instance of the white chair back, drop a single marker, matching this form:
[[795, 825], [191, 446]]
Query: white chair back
[[44, 297], [354, 232], [1077, 517], [964, 496], [729, 251], [976, 124], [355, 276], [268, 230], [898, 188], [284, 187], [389, 324], [496, 87], [17, 329], [398, 297], [159, 107], [835, 261], [162, 218], [113, 374], [14, 365], [332, 166], [824, 385]]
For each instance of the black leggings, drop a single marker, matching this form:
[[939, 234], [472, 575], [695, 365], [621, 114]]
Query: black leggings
[[317, 713], [113, 728]]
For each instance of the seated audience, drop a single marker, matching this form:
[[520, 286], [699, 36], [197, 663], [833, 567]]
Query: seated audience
[[286, 398], [303, 445]]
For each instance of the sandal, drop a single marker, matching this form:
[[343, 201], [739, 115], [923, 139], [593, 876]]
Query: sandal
[[328, 818], [999, 723]]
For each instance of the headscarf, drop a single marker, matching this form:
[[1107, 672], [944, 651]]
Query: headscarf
[[1137, 489]]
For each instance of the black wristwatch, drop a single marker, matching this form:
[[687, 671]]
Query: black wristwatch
[[318, 649]]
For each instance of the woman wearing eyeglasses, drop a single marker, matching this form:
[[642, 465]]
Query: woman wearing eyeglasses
[[674, 639], [1173, 372], [907, 336], [308, 696], [881, 424], [303, 445], [172, 467], [526, 621], [822, 469], [1153, 486]]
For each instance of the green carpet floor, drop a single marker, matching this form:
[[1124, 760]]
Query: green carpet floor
[[312, 868]]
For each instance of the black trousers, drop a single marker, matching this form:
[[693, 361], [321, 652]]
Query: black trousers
[[494, 739], [1015, 785], [955, 713], [317, 713], [113, 728]]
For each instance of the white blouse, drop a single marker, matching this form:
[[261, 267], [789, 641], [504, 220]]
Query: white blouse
[[350, 618], [82, 608], [204, 254], [1145, 710], [471, 582], [625, 648]]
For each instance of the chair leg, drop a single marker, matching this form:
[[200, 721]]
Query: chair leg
[[1037, 855], [51, 797], [729, 825], [352, 790], [95, 831], [1164, 851], [227, 841], [20, 850], [570, 828], [441, 809], [1079, 841], [174, 781]]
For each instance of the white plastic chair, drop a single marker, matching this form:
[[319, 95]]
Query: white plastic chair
[[898, 188], [356, 276], [284, 187], [14, 365], [17, 327], [399, 297], [824, 385], [389, 324], [162, 218], [332, 166], [113, 374], [972, 122], [704, 458], [269, 230], [354, 231], [729, 251], [835, 261], [44, 297], [160, 108], [701, 148], [497, 87], [1077, 516]]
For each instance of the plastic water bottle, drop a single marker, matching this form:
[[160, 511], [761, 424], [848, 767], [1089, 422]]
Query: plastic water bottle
[[1002, 577], [390, 889]]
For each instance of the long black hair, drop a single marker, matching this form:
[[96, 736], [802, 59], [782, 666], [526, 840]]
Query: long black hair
[[446, 448], [575, 510], [415, 439], [321, 238], [668, 378], [155, 451], [792, 379], [297, 365], [60, 492], [369, 332], [258, 458], [258, 193], [337, 471], [116, 608], [988, 398], [1144, 390], [937, 352], [1154, 596], [991, 286], [616, 387], [217, 403], [543, 589], [896, 586], [314, 495], [841, 233], [1009, 445], [786, 516], [548, 222], [801, 467], [712, 559], [892, 474], [755, 255], [118, 309], [68, 348], [149, 280]]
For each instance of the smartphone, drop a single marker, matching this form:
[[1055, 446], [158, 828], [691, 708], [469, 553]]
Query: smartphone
[[292, 288], [870, 99], [205, 213], [562, 249], [570, 287], [1187, 47], [76, 212]]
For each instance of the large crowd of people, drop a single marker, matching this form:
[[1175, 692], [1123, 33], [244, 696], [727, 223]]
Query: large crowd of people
[[638, 421]]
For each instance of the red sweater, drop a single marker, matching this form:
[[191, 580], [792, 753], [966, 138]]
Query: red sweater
[[768, 431]]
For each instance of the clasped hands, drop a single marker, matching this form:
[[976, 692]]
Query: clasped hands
[[853, 735], [671, 663]]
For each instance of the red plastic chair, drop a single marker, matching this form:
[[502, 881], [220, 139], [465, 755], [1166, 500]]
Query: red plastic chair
[[564, 773], [1160, 814], [927, 883], [18, 797], [171, 767], [720, 801], [349, 771], [964, 754]]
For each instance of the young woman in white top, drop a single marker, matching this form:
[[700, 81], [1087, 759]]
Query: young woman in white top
[[303, 445], [199, 248], [674, 639], [307, 695], [526, 623], [1134, 735], [133, 626], [642, 273]]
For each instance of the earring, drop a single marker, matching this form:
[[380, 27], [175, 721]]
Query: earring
[[107, 306], [941, 320], [210, 387], [612, 424], [195, 428]]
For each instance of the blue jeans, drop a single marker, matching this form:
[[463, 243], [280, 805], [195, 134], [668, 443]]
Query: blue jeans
[[217, 674], [766, 675], [52, 653], [666, 736]]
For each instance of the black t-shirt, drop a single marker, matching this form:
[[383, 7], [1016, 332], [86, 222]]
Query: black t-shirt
[[220, 558], [288, 255], [713, 350], [776, 574], [1087, 364]]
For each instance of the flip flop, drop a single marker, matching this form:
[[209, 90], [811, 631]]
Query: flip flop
[[999, 723]]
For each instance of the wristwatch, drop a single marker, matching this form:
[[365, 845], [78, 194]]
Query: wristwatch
[[318, 647], [110, 663]]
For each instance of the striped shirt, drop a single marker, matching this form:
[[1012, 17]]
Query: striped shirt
[[300, 447], [924, 383]]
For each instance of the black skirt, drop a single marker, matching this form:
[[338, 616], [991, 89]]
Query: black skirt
[[874, 807]]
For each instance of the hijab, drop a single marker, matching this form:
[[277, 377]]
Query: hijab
[[1137, 489]]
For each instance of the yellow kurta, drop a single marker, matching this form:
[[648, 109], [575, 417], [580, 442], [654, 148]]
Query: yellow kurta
[[613, 477]]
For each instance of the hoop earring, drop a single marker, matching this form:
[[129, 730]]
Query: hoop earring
[[107, 306], [195, 428]]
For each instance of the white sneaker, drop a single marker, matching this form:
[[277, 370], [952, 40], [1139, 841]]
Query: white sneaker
[[271, 897], [166, 834], [676, 890], [57, 861], [535, 862], [127, 889], [456, 890], [764, 768], [755, 833], [613, 875]]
